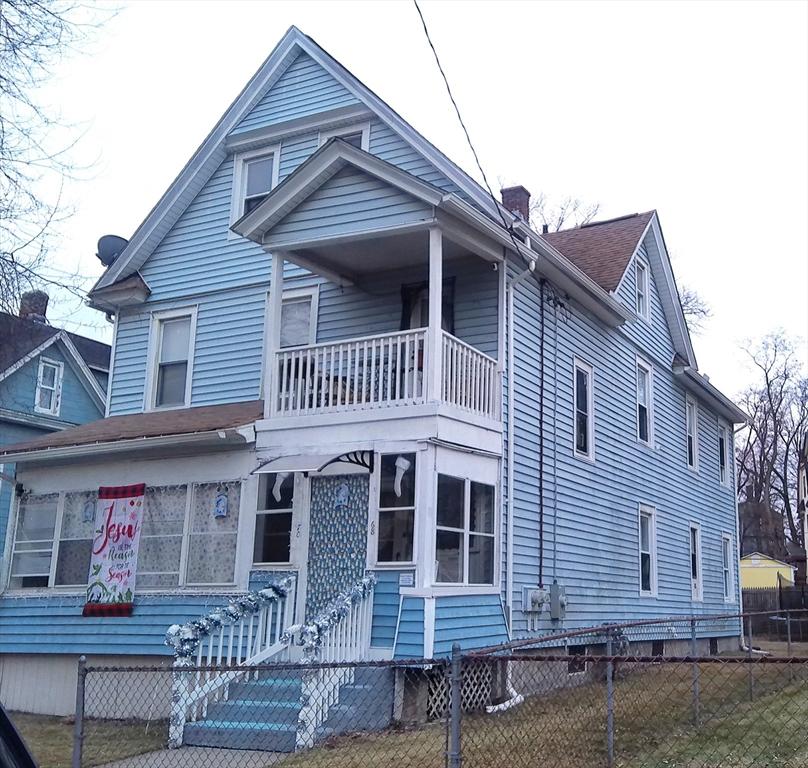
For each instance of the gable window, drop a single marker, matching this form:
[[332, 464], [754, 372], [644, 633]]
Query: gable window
[[273, 521], [357, 135], [647, 539], [723, 455], [641, 303], [464, 539], [255, 175], [396, 528], [48, 398], [173, 335], [692, 417], [695, 562], [299, 317], [727, 571], [645, 403], [584, 410]]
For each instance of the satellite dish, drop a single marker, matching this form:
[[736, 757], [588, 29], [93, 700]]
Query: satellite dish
[[109, 248]]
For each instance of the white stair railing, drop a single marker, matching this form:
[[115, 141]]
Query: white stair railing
[[341, 633], [251, 629]]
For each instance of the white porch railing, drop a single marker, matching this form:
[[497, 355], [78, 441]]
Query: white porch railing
[[355, 374], [250, 630], [341, 633], [470, 378]]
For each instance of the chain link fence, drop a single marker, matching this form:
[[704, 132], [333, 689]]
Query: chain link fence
[[683, 692]]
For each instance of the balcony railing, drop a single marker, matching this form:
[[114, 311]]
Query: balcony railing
[[388, 370]]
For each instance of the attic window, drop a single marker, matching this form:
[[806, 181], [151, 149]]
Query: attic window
[[49, 387], [355, 135], [255, 175], [642, 290]]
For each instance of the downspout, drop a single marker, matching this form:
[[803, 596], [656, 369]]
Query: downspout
[[512, 284]]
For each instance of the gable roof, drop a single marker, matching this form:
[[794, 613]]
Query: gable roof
[[602, 249], [767, 557]]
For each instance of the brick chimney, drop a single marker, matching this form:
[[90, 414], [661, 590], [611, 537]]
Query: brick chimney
[[517, 200], [34, 305]]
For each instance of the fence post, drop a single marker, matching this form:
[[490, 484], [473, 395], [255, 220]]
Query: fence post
[[609, 702], [455, 701], [788, 646], [78, 726], [749, 654], [696, 673]]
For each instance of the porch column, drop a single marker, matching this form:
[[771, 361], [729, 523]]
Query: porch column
[[273, 335], [434, 333]]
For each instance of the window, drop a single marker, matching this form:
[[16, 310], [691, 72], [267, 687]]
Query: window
[[172, 358], [464, 539], [584, 411], [695, 562], [49, 387], [396, 508], [273, 522], [415, 306], [641, 305], [692, 434], [356, 135], [727, 570], [647, 540], [577, 662], [724, 449], [658, 648], [299, 317], [76, 533], [33, 541], [645, 403]]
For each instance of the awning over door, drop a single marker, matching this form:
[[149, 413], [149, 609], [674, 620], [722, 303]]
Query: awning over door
[[315, 462]]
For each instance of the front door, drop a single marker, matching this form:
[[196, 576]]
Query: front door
[[338, 529]]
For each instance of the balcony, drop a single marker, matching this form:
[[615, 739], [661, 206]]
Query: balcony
[[391, 370]]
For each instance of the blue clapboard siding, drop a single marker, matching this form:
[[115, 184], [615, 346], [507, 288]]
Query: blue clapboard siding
[[386, 600], [410, 635], [475, 621], [55, 624], [304, 89], [349, 202]]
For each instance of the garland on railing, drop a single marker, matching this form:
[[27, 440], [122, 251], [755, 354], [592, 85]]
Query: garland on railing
[[311, 634], [185, 638]]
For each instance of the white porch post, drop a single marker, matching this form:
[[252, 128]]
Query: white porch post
[[273, 341], [434, 334]]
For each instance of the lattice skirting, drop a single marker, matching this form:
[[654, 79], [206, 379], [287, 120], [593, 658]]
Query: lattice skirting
[[475, 692]]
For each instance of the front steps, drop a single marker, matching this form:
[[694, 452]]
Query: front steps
[[262, 714]]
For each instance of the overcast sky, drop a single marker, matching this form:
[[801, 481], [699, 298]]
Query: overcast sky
[[699, 110]]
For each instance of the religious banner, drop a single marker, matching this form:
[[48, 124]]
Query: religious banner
[[113, 566]]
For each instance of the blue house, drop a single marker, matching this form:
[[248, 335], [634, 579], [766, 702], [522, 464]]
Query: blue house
[[338, 373]]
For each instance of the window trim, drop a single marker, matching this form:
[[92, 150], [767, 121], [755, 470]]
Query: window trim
[[648, 510], [689, 401], [726, 539], [373, 517], [343, 130], [57, 386], [152, 366], [642, 291], [296, 531], [697, 584], [293, 294], [724, 432], [649, 370], [589, 371], [239, 188]]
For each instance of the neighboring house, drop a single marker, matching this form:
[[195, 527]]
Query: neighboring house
[[761, 571], [324, 325], [50, 380]]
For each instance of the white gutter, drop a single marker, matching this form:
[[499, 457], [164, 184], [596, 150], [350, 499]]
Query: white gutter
[[509, 570], [699, 385]]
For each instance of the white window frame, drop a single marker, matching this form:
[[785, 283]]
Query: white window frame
[[697, 584], [728, 568], [299, 497], [589, 372], [346, 130], [240, 162], [648, 368], [691, 403], [641, 290], [294, 294], [646, 510], [152, 366], [59, 367], [724, 472], [373, 532]]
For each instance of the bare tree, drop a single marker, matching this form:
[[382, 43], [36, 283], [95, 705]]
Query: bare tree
[[34, 37], [768, 455], [695, 309], [567, 212]]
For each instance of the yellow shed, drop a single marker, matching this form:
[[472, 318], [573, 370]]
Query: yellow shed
[[759, 571]]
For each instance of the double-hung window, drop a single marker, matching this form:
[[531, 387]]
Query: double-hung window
[[172, 357], [724, 452], [48, 398], [32, 553], [647, 540], [255, 175], [464, 539], [584, 410], [299, 317], [396, 528], [727, 570], [696, 590], [692, 419], [641, 299], [273, 521], [645, 402]]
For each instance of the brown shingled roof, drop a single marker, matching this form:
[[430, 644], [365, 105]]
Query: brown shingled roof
[[602, 249], [207, 418]]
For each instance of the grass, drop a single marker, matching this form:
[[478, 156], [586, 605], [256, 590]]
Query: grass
[[50, 739]]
